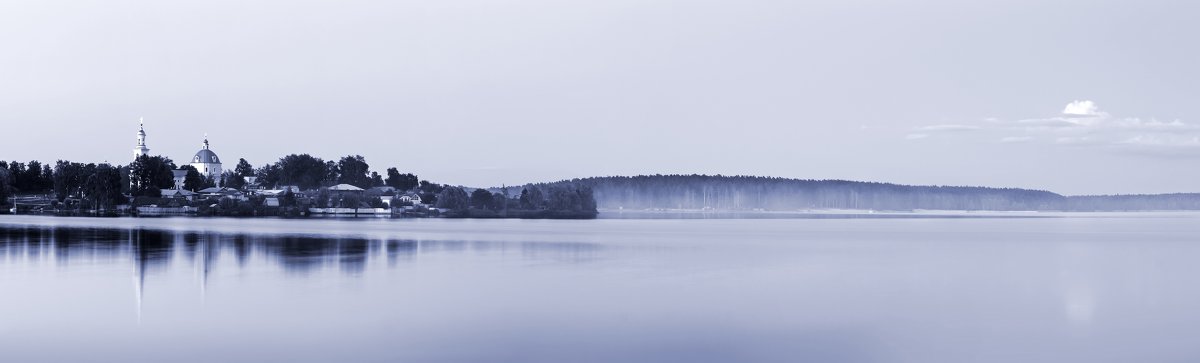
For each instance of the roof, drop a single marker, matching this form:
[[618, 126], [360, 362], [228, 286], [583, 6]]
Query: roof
[[174, 192], [345, 187], [206, 156], [212, 190]]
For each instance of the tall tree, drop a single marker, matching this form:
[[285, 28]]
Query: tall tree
[[5, 185], [233, 180], [354, 170], [268, 175], [532, 198], [17, 171], [430, 192], [150, 174], [454, 198], [406, 181], [303, 170], [33, 178], [193, 180], [243, 168], [376, 179], [47, 179], [331, 173], [481, 199], [102, 188]]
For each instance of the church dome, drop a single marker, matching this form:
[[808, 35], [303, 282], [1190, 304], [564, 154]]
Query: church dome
[[206, 156]]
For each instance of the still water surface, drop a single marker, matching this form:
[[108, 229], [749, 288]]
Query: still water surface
[[1076, 288]]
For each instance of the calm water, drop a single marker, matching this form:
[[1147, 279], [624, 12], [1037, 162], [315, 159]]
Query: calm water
[[1090, 288]]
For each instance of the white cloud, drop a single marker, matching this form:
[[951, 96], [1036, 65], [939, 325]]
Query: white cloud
[[1163, 140], [1153, 125], [1082, 109], [936, 128], [1016, 139], [1078, 140], [1082, 124]]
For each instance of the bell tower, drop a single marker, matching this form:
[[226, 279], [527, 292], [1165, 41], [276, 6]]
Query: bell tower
[[141, 148]]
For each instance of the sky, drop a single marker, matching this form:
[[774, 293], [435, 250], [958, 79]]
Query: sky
[[1076, 97]]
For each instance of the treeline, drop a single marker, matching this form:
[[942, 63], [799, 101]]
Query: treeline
[[558, 201], [96, 186], [148, 175], [308, 172], [782, 194]]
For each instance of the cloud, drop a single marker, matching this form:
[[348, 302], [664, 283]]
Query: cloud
[[1082, 109], [936, 128], [1016, 139], [1082, 124], [1174, 141]]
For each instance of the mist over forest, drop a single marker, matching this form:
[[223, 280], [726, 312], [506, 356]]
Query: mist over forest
[[748, 193]]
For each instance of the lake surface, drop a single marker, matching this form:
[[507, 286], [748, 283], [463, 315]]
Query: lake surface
[[1072, 288]]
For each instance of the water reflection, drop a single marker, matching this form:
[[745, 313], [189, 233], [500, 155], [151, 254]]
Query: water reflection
[[149, 252], [157, 249]]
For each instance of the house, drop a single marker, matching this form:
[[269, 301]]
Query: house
[[178, 194], [345, 188], [252, 183], [221, 192], [413, 198]]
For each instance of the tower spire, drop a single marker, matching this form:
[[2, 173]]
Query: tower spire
[[141, 148]]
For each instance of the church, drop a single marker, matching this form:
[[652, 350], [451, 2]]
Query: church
[[205, 161]]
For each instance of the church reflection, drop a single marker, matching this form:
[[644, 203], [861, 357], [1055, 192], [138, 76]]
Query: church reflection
[[150, 252]]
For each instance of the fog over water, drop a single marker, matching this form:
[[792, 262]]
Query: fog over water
[[1075, 287]]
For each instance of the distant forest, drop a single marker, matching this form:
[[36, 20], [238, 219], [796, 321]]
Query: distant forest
[[781, 194]]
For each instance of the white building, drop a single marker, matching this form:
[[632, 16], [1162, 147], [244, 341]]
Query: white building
[[207, 163], [141, 148]]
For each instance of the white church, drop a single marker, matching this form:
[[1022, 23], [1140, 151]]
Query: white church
[[205, 161]]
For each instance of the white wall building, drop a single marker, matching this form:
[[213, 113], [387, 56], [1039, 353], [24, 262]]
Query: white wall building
[[207, 163], [141, 148]]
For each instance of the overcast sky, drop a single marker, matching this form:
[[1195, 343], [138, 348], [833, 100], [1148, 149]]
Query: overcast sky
[[1076, 97]]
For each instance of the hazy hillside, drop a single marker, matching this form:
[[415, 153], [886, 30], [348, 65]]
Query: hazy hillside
[[766, 193]]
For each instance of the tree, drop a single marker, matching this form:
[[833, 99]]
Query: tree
[[102, 188], [532, 198], [303, 170], [353, 170], [67, 178], [481, 199], [331, 173], [429, 192], [268, 175], [406, 181], [5, 185], [454, 198], [376, 179], [32, 180], [193, 180], [243, 168], [499, 202], [233, 180], [150, 174], [47, 179], [563, 199]]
